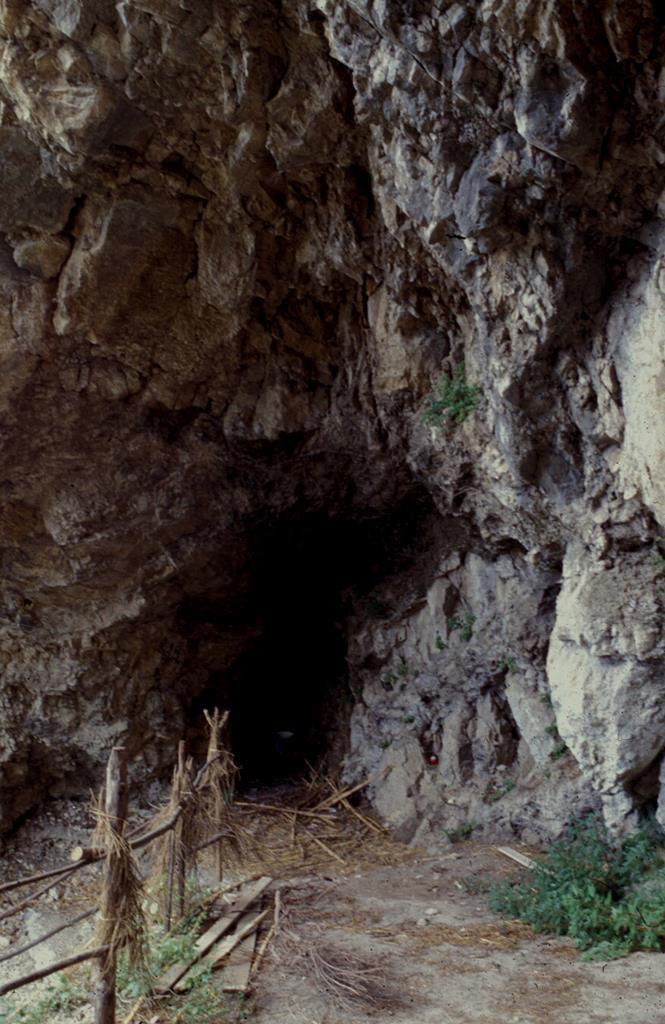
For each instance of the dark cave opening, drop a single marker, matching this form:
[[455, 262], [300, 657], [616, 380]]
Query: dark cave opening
[[288, 693]]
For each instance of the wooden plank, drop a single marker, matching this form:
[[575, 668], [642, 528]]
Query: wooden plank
[[244, 899], [234, 976], [520, 858], [222, 949]]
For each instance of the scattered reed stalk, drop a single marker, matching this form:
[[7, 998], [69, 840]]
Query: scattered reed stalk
[[346, 979]]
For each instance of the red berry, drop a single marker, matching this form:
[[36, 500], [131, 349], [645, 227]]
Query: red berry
[[433, 759]]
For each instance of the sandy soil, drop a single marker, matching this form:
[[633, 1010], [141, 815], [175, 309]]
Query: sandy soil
[[441, 957], [452, 961]]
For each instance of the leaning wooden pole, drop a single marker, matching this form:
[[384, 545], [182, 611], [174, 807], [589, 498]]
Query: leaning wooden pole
[[179, 835], [217, 810], [115, 809], [171, 855], [217, 799]]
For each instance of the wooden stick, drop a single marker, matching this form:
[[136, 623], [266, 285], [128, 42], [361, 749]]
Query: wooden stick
[[199, 778], [214, 839], [171, 858], [179, 848], [83, 853], [214, 747], [343, 794], [352, 810], [319, 842], [42, 938], [115, 808], [281, 810], [59, 965], [168, 898], [80, 855], [149, 837], [367, 822], [520, 858], [265, 942], [20, 882], [82, 859], [29, 899], [134, 1010], [97, 855]]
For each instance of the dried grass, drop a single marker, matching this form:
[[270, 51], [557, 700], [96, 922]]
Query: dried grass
[[122, 925], [348, 980], [220, 819], [505, 936], [310, 833]]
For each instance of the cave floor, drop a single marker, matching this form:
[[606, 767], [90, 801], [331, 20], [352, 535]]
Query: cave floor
[[419, 918]]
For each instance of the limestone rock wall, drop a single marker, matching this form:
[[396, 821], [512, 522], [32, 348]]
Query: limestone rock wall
[[240, 246]]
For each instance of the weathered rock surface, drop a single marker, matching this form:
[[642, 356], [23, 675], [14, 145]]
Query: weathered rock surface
[[240, 247]]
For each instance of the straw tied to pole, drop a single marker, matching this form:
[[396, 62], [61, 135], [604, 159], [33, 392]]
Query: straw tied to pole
[[120, 898], [197, 815], [122, 922]]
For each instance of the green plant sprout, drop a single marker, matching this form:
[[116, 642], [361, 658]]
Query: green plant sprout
[[454, 401]]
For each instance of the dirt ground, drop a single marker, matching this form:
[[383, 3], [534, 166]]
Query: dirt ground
[[451, 961], [415, 919]]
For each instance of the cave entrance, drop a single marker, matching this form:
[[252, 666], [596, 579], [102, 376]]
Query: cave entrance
[[288, 696], [289, 693]]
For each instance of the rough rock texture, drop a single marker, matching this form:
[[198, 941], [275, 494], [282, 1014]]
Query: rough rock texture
[[240, 246]]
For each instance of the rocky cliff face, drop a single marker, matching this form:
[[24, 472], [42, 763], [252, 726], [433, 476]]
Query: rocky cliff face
[[242, 246]]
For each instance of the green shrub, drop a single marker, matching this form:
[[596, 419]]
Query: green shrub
[[608, 897], [454, 401]]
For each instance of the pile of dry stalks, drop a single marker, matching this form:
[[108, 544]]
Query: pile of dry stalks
[[316, 826], [348, 981]]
